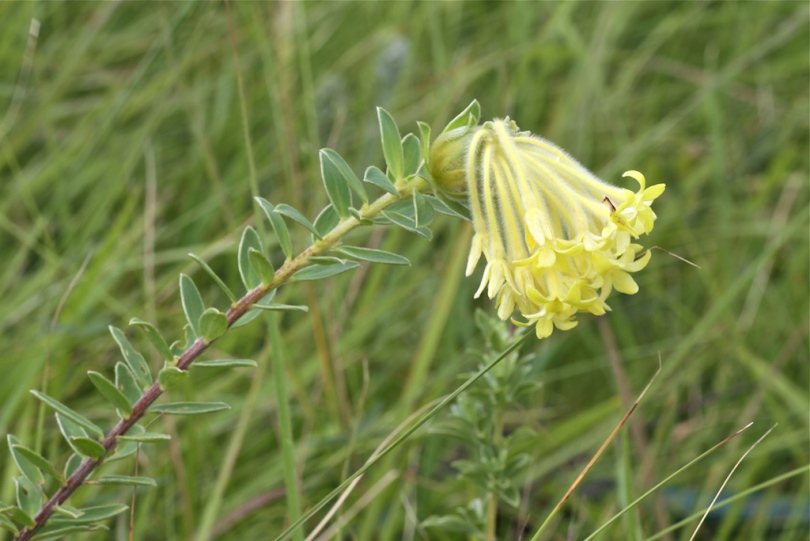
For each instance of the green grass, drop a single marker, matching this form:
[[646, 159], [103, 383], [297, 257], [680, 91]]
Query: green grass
[[126, 151]]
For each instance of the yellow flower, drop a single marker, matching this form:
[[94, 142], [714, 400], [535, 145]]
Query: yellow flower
[[557, 240]]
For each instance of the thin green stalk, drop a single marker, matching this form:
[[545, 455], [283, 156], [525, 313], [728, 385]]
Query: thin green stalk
[[402, 437], [214, 499], [653, 489], [731, 499], [285, 427]]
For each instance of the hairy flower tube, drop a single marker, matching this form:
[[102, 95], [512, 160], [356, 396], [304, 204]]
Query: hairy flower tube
[[557, 240]]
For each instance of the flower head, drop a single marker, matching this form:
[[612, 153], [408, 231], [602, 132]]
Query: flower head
[[557, 239]]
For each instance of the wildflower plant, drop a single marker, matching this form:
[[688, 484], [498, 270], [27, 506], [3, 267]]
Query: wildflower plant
[[556, 239]]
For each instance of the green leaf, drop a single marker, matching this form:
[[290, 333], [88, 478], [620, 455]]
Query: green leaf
[[67, 511], [213, 324], [88, 515], [72, 464], [19, 516], [171, 377], [468, 117], [317, 272], [449, 208], [7, 525], [424, 139], [58, 531], [124, 480], [250, 239], [337, 189], [28, 468], [70, 430], [422, 210], [124, 448], [146, 437], [412, 154], [29, 496], [69, 413], [192, 305], [279, 226], [282, 307], [154, 336], [112, 393], [253, 314], [226, 363], [374, 176], [88, 447], [408, 224], [126, 383], [189, 408], [37, 460], [264, 269], [134, 359], [290, 212], [391, 143], [326, 221], [346, 172], [214, 277], [374, 256], [326, 260]]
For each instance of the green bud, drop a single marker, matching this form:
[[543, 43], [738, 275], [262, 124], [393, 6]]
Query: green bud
[[448, 159]]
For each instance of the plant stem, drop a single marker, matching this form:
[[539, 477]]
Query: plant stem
[[236, 311]]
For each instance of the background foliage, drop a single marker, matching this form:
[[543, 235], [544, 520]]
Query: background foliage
[[126, 151]]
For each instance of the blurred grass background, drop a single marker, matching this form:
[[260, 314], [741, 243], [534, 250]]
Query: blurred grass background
[[122, 149]]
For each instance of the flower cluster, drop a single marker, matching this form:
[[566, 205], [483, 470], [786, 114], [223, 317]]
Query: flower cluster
[[557, 240]]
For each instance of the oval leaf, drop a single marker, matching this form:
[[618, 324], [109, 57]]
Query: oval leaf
[[290, 212], [192, 304], [391, 143], [326, 221], [89, 515], [146, 437], [72, 464], [124, 480], [226, 363], [422, 210], [19, 516], [337, 189], [189, 408], [59, 531], [125, 382], [214, 277], [424, 139], [375, 176], [347, 174], [279, 226], [29, 496], [171, 377], [29, 468], [109, 391], [250, 239], [134, 359], [317, 272], [36, 460], [88, 447], [374, 256], [154, 336], [407, 223], [69, 413], [412, 154], [213, 324], [264, 269], [282, 307]]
